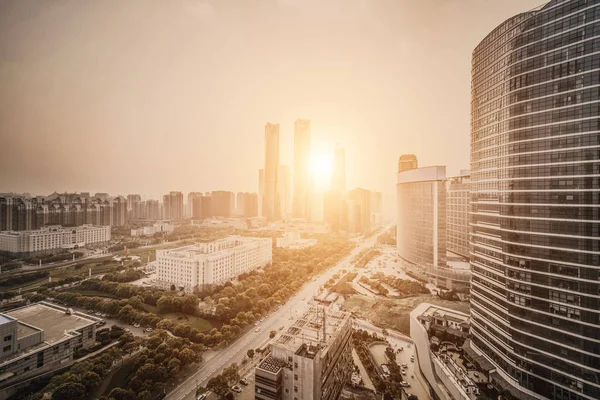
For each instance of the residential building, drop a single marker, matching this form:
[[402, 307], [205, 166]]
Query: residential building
[[134, 206], [457, 214], [261, 191], [310, 360], [120, 212], [292, 239], [334, 210], [376, 205], [301, 202], [194, 266], [52, 237], [406, 162], [358, 204], [247, 205], [284, 186], [39, 338], [223, 203], [535, 201], [173, 206], [151, 209], [438, 362], [192, 196]]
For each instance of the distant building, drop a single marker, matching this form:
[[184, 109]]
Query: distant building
[[293, 240], [457, 214], [39, 338], [192, 196], [120, 213], [446, 380], [151, 210], [173, 206], [247, 205], [376, 206], [134, 206], [161, 227], [338, 178], [407, 162], [310, 360], [334, 210], [191, 267], [301, 201], [284, 186], [52, 238], [271, 206], [223, 223], [358, 210], [261, 191], [223, 203]]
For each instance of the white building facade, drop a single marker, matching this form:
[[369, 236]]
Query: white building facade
[[216, 262], [53, 237]]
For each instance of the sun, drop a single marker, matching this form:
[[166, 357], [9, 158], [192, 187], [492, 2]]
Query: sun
[[321, 166]]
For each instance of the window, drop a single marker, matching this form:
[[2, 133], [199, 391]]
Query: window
[[6, 348], [295, 377], [296, 389], [7, 338]]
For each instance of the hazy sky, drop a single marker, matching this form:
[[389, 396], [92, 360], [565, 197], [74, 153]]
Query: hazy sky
[[147, 96]]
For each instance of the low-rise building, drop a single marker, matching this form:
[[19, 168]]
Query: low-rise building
[[39, 338], [438, 360], [159, 227], [193, 266], [310, 360], [52, 237], [293, 240]]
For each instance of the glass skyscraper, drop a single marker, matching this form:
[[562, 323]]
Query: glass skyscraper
[[535, 175]]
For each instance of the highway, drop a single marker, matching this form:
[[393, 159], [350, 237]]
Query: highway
[[236, 351]]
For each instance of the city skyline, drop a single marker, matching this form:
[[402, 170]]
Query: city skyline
[[124, 101]]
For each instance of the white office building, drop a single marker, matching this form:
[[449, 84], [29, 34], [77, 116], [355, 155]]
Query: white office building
[[52, 237], [216, 262]]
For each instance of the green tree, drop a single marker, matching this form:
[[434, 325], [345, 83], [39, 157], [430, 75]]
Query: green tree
[[218, 385], [121, 394], [272, 334], [250, 353], [69, 391], [91, 380]]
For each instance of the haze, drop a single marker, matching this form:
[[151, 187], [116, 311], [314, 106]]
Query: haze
[[151, 96]]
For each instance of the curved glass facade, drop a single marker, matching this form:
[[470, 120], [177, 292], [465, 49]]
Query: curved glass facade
[[535, 175]]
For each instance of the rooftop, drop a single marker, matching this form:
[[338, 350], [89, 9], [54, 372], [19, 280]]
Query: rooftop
[[53, 321], [271, 364], [4, 319]]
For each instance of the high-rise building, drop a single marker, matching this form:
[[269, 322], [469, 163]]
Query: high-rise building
[[535, 162], [173, 206], [251, 205], [457, 214], [338, 181], [406, 162], [192, 196], [334, 210], [301, 168], [376, 208], [421, 228], [134, 206], [119, 211], [358, 204], [271, 208], [202, 207], [310, 360], [223, 203], [284, 186], [261, 191], [151, 209]]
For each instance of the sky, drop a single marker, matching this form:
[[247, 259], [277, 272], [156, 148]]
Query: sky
[[148, 96]]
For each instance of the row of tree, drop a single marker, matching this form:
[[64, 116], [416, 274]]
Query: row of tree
[[404, 287], [365, 256], [374, 285]]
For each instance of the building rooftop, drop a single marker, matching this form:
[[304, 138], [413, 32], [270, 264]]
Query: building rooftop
[[53, 321], [429, 310], [271, 364], [4, 319], [306, 334]]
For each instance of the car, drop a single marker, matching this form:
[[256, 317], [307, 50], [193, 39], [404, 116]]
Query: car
[[257, 329], [403, 372], [256, 323], [244, 382], [404, 384], [98, 314], [148, 330], [201, 396], [136, 325], [403, 365], [236, 389], [412, 358], [475, 374]]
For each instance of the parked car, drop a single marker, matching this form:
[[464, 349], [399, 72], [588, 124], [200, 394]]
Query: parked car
[[237, 389], [475, 374], [148, 330], [201, 396], [244, 382], [136, 325], [257, 329], [403, 365], [412, 358], [404, 384]]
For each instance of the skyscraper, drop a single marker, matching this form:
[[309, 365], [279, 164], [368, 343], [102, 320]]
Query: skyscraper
[[301, 168], [192, 196], [338, 181], [223, 203], [284, 186], [406, 162], [134, 206], [271, 208], [261, 191], [535, 123]]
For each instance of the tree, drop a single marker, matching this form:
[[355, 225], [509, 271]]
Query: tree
[[231, 374], [218, 385], [91, 380], [121, 394], [272, 334], [69, 391], [250, 353]]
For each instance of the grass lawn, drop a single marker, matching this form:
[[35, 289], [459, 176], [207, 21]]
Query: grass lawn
[[201, 324]]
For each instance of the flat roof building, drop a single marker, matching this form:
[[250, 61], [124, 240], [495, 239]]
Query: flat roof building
[[190, 267], [39, 338], [310, 360]]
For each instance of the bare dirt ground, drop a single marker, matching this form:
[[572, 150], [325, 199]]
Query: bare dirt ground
[[395, 313]]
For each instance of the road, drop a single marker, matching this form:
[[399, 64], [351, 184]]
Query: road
[[236, 351]]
